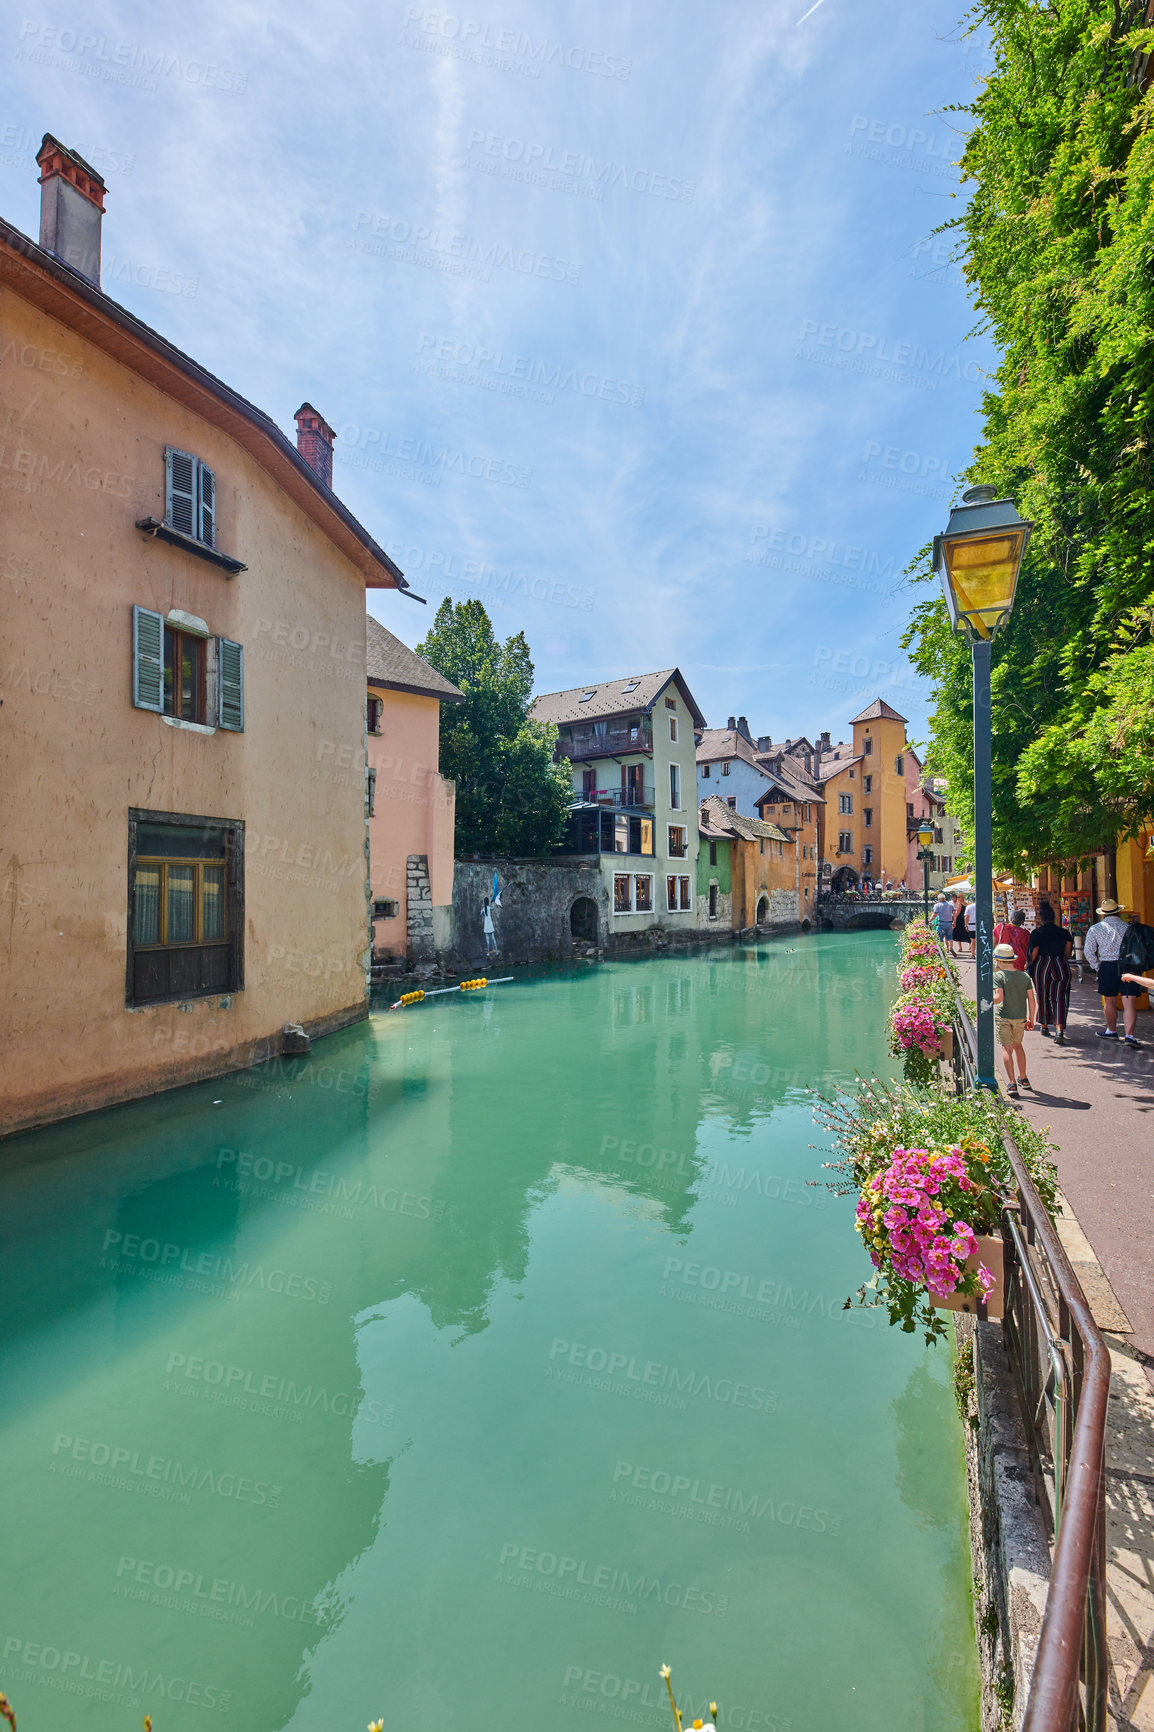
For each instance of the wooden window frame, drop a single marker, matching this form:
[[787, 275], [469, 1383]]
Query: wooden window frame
[[673, 853], [638, 879], [177, 635], [374, 712], [233, 939], [625, 878]]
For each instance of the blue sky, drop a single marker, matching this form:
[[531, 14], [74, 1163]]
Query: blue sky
[[630, 318]]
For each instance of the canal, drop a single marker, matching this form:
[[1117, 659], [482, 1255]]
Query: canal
[[474, 1366]]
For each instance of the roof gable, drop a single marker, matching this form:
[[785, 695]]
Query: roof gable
[[392, 664], [879, 711], [622, 697], [56, 289]]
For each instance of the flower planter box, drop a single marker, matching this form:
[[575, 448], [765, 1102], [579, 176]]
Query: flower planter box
[[946, 1046], [989, 1253]]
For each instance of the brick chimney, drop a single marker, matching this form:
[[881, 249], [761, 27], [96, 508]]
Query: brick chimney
[[731, 724], [743, 729], [315, 442], [71, 208], [825, 745]]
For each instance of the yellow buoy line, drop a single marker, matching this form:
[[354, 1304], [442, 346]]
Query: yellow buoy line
[[439, 991]]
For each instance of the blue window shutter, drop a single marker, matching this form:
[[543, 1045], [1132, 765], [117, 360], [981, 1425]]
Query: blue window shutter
[[148, 659], [207, 527], [230, 682], [180, 491]]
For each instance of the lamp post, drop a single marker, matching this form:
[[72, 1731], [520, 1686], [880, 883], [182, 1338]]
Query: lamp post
[[925, 855], [978, 557]]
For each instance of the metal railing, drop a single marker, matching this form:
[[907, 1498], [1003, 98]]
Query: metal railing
[[634, 796], [1062, 1366]]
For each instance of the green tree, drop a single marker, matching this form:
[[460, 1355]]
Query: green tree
[[1057, 244], [511, 797]]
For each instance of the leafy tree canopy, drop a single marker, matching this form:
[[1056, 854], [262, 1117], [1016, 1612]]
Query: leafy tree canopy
[[1057, 244], [511, 797]]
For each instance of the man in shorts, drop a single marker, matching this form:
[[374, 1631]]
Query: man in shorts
[[1102, 948], [1014, 1009]]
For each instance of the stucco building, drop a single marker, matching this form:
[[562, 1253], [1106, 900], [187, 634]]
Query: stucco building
[[184, 877], [728, 767], [631, 748], [763, 875], [863, 828], [411, 805]]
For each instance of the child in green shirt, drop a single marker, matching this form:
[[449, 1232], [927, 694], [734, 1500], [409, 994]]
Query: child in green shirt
[[1014, 1009]]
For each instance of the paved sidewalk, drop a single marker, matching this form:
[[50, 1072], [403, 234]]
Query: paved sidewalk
[[1096, 1099]]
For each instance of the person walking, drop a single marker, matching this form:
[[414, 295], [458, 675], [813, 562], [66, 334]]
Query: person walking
[[972, 924], [1102, 949], [1048, 963], [1015, 935], [943, 918], [960, 934], [1014, 1007]]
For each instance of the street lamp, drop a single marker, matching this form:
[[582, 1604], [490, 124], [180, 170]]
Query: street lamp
[[978, 558], [925, 855]]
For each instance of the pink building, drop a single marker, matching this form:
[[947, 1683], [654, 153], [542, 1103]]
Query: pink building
[[411, 807]]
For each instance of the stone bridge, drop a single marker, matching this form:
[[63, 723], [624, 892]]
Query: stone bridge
[[849, 913]]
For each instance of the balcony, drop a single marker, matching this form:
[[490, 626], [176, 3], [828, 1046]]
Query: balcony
[[641, 797], [605, 743]]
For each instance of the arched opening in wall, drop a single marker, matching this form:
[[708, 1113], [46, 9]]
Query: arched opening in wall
[[713, 900], [845, 878], [583, 920], [762, 915]]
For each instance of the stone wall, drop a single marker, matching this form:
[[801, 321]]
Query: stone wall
[[419, 943], [533, 921]]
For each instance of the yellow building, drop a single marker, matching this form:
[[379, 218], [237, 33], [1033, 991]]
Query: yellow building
[[184, 876], [864, 820]]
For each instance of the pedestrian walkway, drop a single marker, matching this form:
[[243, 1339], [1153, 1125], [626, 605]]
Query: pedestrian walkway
[[1096, 1100]]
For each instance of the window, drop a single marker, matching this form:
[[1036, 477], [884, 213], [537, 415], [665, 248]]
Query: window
[[845, 802], [713, 901], [909, 808], [868, 817], [678, 842], [731, 802], [625, 833], [185, 907], [677, 896], [867, 856], [900, 764], [189, 496], [671, 703], [370, 793], [761, 845], [845, 841], [852, 775], [725, 768], [375, 709], [705, 772], [867, 784], [673, 729], [769, 808], [675, 787], [632, 894], [589, 784], [867, 747], [713, 853], [385, 908], [183, 673]]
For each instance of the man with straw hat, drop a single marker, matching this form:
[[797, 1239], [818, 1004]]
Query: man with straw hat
[[1014, 1007], [1102, 950]]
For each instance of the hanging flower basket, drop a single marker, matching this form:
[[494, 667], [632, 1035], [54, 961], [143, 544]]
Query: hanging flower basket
[[992, 1304]]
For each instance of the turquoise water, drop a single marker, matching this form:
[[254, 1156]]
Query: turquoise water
[[474, 1367]]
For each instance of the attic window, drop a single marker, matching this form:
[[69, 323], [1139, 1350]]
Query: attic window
[[585, 696], [631, 685]]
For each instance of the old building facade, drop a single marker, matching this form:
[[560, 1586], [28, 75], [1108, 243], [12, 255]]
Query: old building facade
[[188, 595]]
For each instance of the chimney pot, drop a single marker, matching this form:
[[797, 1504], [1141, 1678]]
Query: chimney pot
[[315, 442], [71, 208]]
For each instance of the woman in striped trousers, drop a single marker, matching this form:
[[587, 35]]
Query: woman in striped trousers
[[1048, 964]]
